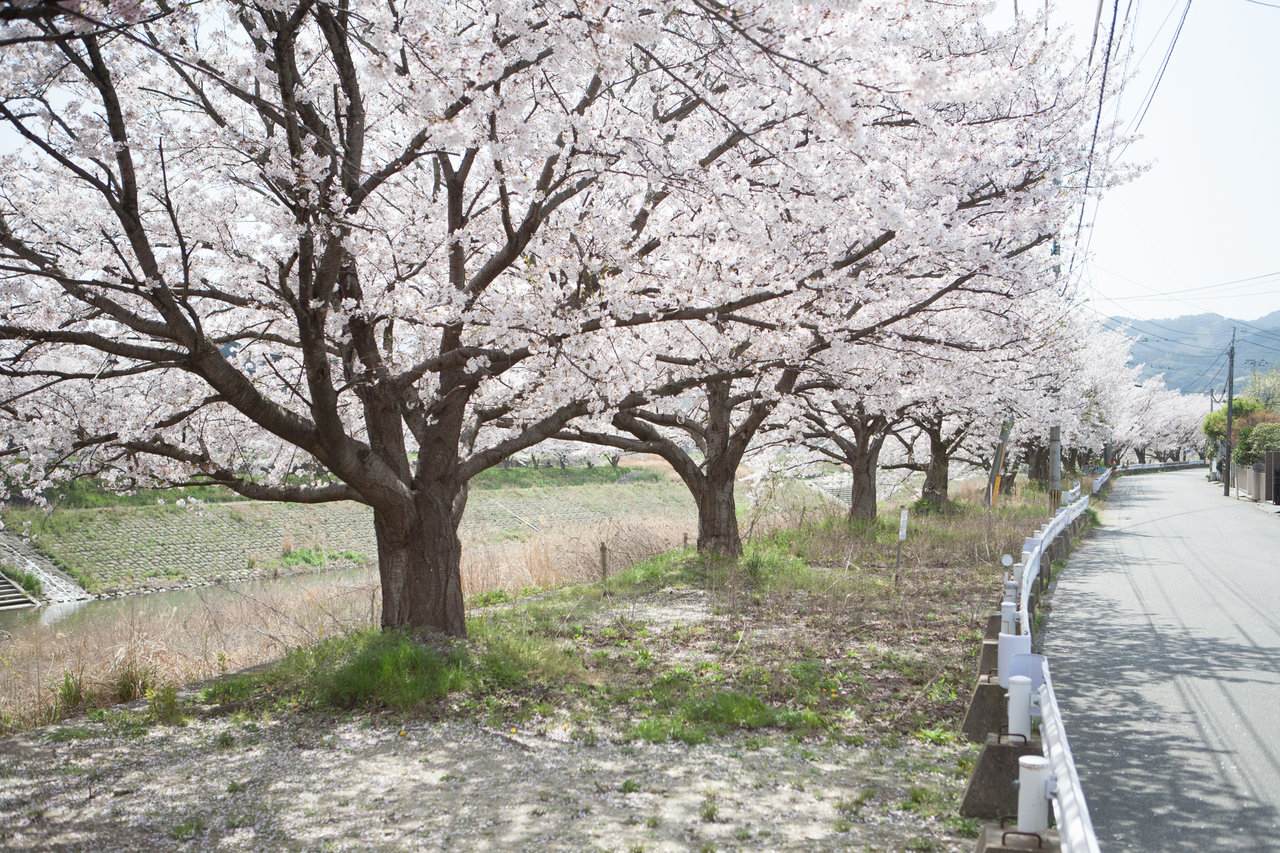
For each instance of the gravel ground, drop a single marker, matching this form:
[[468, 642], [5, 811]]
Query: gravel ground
[[361, 783], [280, 780]]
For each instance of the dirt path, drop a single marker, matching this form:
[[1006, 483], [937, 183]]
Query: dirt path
[[361, 784]]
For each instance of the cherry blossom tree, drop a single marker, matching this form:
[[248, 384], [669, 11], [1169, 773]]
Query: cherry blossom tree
[[398, 243], [248, 240], [920, 235]]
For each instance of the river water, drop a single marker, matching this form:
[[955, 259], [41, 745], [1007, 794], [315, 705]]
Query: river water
[[98, 613]]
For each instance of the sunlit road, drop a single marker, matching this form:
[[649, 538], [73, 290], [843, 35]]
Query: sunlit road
[[1165, 645]]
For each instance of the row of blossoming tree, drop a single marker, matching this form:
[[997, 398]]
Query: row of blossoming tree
[[318, 251]]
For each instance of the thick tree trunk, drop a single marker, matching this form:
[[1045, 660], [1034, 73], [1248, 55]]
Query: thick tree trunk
[[717, 516], [1038, 464], [864, 462], [419, 563], [1007, 480], [1141, 453], [937, 472]]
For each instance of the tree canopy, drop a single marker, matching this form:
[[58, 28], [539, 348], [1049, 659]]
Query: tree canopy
[[320, 251]]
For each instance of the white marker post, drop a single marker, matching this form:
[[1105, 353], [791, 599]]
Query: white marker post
[[1020, 706], [1033, 791], [902, 535]]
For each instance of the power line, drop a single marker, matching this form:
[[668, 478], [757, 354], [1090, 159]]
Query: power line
[[1182, 345], [1156, 294], [1258, 330], [1261, 346], [1180, 341], [1264, 278], [1097, 123], [1217, 362], [1164, 65]]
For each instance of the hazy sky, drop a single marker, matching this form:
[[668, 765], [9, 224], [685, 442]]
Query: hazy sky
[[1200, 230]]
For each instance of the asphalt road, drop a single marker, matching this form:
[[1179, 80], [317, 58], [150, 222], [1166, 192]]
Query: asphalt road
[[1164, 641]]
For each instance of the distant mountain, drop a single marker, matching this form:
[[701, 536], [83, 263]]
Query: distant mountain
[[1191, 351]]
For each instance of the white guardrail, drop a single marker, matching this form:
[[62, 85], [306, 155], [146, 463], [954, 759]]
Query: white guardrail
[[1101, 479], [1075, 828]]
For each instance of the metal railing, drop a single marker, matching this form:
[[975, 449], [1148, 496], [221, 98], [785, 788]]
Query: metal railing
[[1160, 466], [1075, 828], [1033, 553]]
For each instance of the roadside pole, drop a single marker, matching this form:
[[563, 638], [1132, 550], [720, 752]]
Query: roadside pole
[[1231, 388], [993, 480], [1055, 468]]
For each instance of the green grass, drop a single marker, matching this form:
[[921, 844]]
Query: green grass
[[232, 689], [29, 582], [164, 706], [90, 494], [186, 830], [395, 670], [525, 478], [725, 710], [129, 680], [70, 693], [122, 724], [67, 734], [315, 557]]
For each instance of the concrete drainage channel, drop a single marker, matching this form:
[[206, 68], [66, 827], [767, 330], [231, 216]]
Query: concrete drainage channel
[[1021, 771]]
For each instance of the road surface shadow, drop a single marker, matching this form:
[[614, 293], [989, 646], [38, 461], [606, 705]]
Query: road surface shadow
[[1158, 716]]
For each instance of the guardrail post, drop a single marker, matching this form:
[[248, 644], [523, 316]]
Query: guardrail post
[[1006, 700], [1008, 618], [1010, 645], [1020, 706], [1033, 790]]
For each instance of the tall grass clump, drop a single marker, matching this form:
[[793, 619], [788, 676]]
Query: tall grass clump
[[400, 670], [30, 584], [391, 669]]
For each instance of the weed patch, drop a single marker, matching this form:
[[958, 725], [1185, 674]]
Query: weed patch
[[30, 584]]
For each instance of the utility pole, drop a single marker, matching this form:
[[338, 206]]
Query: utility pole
[[1231, 378], [997, 463], [1055, 468]]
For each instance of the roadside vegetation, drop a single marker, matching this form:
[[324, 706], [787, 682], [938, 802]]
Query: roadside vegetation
[[815, 645], [806, 633], [809, 632], [30, 584]]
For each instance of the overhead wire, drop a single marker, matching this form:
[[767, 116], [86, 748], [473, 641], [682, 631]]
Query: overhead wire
[[1131, 14], [1164, 66], [1181, 344], [1158, 294], [1218, 362], [1145, 105], [1250, 281], [1097, 123]]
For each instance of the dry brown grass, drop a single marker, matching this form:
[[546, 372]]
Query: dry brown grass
[[963, 534], [51, 671], [568, 555], [92, 659]]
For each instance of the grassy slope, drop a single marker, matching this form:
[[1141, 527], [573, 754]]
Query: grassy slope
[[807, 644], [133, 546], [806, 636]]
